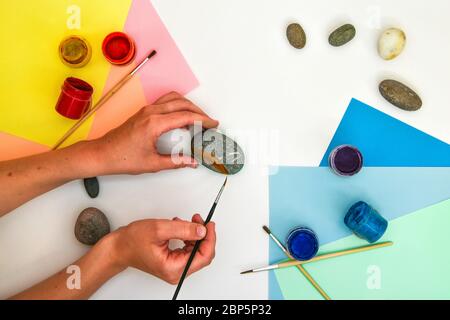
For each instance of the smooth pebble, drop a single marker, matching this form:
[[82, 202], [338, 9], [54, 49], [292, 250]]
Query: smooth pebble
[[342, 35], [400, 95], [391, 43], [92, 186], [91, 226], [296, 35], [217, 152]]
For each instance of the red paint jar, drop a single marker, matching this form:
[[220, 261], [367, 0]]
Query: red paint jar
[[75, 98], [118, 48]]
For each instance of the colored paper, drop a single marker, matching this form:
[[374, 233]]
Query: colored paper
[[31, 67], [415, 267], [387, 142], [167, 71], [319, 199], [42, 78], [384, 142]]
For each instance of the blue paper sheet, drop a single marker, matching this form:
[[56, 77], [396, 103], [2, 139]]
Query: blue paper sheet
[[387, 142]]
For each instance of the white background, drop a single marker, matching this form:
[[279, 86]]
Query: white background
[[253, 82]]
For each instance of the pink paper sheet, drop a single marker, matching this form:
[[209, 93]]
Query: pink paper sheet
[[167, 71]]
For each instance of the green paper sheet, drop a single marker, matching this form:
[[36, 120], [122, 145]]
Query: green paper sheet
[[415, 267]]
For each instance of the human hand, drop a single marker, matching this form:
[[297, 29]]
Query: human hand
[[131, 147], [144, 245]]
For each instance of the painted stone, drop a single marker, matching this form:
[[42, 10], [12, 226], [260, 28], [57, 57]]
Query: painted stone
[[342, 35], [217, 152], [91, 226], [92, 187], [400, 95], [296, 35], [391, 43]]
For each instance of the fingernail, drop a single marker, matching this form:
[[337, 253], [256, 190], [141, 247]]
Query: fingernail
[[201, 231]]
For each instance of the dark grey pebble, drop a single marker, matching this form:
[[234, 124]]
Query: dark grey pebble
[[91, 226], [296, 35], [217, 152], [400, 95], [92, 187], [342, 35]]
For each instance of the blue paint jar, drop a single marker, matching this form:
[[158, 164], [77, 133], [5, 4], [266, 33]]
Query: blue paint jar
[[365, 222], [302, 243]]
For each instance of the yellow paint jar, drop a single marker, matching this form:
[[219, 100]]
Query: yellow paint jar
[[75, 51]]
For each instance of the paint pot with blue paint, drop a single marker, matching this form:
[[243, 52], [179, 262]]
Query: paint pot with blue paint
[[345, 160], [302, 243], [365, 222]]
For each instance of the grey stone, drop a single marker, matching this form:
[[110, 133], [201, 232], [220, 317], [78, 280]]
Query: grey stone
[[342, 35], [91, 226], [92, 187], [400, 95], [296, 35], [217, 152]]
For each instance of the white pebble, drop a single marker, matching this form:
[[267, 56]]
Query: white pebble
[[391, 43]]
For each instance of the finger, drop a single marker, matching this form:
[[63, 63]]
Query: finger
[[197, 218], [166, 162], [182, 230], [168, 97], [181, 104], [181, 119], [206, 252]]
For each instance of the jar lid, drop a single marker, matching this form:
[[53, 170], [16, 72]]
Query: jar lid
[[118, 48], [75, 51]]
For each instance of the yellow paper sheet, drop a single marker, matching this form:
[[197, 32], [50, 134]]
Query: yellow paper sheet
[[32, 72]]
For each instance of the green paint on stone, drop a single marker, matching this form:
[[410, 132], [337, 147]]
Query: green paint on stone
[[217, 152]]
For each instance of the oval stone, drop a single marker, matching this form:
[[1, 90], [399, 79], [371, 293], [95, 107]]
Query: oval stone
[[296, 35], [342, 35], [400, 95], [92, 187], [217, 152], [91, 226], [391, 43]]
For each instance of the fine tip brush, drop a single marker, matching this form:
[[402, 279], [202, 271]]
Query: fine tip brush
[[299, 267], [198, 242], [293, 263]]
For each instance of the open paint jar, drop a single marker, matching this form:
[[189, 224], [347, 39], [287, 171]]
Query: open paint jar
[[118, 48], [75, 51], [346, 160], [302, 243], [75, 98], [365, 222]]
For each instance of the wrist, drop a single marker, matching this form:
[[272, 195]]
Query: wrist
[[89, 158], [112, 252]]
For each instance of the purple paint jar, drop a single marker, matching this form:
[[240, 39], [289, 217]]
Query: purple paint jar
[[346, 160]]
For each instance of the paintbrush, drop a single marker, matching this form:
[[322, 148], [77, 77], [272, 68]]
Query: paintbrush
[[299, 267], [102, 101], [198, 242], [321, 257]]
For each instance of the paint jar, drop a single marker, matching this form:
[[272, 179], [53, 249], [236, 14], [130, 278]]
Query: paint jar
[[75, 98], [302, 243], [365, 222], [75, 51], [346, 160], [118, 48]]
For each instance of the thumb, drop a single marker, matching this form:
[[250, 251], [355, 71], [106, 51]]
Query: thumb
[[181, 230]]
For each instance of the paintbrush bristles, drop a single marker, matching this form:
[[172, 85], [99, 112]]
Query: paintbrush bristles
[[266, 229], [151, 54], [248, 271]]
